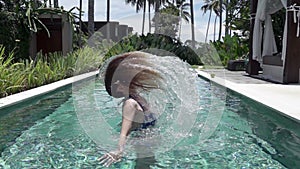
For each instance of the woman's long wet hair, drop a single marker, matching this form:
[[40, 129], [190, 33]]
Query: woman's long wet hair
[[134, 71]]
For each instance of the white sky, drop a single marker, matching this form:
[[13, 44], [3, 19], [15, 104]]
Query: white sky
[[126, 14]]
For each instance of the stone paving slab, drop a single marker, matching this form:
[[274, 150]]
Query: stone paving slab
[[284, 98], [240, 77]]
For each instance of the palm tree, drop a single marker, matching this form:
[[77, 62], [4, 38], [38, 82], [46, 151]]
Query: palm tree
[[80, 22], [50, 4], [226, 17], [55, 3], [144, 14], [220, 12], [211, 5], [192, 23], [139, 4], [183, 12], [91, 26], [108, 11], [108, 19], [215, 23], [150, 3]]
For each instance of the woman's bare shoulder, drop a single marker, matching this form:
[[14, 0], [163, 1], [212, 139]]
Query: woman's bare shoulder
[[132, 104]]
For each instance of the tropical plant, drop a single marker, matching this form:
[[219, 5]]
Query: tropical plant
[[231, 48], [26, 74], [157, 44], [238, 16]]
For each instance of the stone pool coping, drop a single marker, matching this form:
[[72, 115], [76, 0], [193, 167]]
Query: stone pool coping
[[22, 96], [283, 98]]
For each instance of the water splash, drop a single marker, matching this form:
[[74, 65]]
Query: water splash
[[176, 104]]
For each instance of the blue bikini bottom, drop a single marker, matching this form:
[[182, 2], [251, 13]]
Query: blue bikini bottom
[[147, 124]]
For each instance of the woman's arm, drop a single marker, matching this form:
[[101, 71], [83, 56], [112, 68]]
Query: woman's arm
[[128, 114]]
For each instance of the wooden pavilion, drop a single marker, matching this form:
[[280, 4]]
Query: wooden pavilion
[[277, 68]]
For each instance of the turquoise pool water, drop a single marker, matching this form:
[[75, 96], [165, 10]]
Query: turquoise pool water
[[45, 133]]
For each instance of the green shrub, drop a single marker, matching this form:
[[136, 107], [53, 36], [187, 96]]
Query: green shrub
[[27, 74], [232, 48], [156, 44]]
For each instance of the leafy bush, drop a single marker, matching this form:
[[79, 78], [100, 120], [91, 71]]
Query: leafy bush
[[157, 44], [232, 48], [27, 74]]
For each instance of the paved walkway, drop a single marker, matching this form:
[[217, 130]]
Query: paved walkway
[[284, 98]]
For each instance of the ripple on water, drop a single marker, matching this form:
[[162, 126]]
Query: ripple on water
[[58, 141]]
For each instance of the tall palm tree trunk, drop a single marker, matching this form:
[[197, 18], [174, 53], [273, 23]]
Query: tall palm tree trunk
[[50, 4], [144, 15], [55, 3], [149, 14], [80, 23], [108, 19], [156, 16], [108, 11], [221, 15], [192, 22], [180, 25], [215, 24], [91, 25], [226, 17], [208, 26]]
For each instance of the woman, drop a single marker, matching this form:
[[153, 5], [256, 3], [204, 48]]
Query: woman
[[130, 76]]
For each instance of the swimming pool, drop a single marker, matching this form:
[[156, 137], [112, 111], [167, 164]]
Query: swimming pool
[[45, 133]]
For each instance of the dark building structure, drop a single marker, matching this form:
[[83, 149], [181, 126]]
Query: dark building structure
[[109, 30], [60, 39]]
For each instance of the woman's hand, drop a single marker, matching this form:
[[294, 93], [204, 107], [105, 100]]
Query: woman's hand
[[110, 158]]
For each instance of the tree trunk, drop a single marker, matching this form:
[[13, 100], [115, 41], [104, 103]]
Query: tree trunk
[[208, 26], [226, 17], [80, 23], [50, 4], [91, 26], [215, 24], [108, 11], [192, 23], [55, 3], [221, 19], [108, 19], [149, 14], [156, 16], [180, 26], [144, 15]]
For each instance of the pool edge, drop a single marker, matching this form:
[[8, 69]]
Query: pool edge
[[23, 96]]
